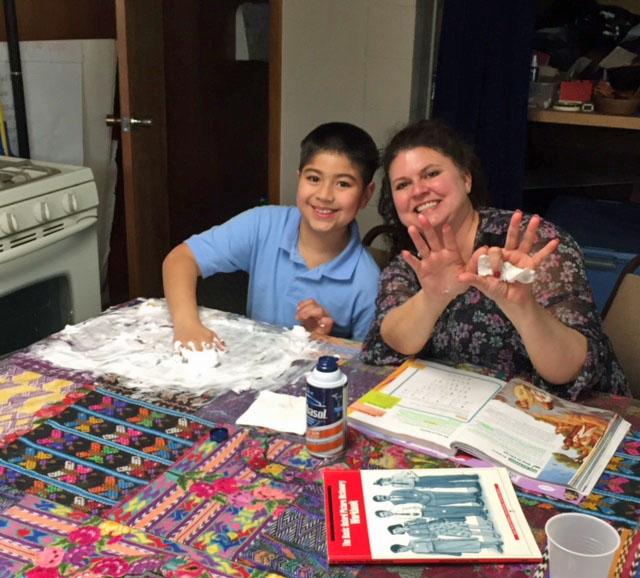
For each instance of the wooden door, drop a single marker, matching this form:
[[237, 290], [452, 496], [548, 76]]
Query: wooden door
[[217, 117], [140, 47]]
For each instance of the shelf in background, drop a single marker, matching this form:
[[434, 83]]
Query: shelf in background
[[585, 119], [577, 177], [558, 178]]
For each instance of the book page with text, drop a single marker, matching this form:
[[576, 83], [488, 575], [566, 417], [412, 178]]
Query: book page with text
[[538, 434], [444, 391], [426, 403], [507, 436]]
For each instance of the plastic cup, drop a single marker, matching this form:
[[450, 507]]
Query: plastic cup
[[580, 546]]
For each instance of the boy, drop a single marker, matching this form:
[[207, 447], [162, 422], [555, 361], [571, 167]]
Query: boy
[[305, 263]]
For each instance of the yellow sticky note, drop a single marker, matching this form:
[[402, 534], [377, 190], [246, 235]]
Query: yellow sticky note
[[380, 399]]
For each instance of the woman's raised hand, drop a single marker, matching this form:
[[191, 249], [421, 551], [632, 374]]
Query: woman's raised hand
[[517, 251], [439, 263]]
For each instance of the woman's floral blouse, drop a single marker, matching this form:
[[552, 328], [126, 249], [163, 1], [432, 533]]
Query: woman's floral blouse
[[473, 329]]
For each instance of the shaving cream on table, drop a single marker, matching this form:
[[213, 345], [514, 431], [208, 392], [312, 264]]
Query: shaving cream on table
[[136, 343], [200, 360]]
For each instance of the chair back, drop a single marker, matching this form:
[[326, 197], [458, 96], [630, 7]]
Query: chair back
[[381, 256], [622, 325]]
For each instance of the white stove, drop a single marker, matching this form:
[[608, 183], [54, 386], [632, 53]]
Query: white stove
[[48, 216], [36, 198], [18, 172]]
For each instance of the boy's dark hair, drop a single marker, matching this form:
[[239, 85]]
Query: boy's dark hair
[[436, 135], [345, 139]]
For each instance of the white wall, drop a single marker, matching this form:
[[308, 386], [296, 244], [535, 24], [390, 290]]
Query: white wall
[[344, 60]]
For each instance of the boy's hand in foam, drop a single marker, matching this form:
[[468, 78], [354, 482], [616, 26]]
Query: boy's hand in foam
[[199, 360], [198, 337]]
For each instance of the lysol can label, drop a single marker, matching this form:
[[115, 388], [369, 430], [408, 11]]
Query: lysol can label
[[326, 408]]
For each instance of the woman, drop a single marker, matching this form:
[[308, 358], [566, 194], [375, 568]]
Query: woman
[[434, 304]]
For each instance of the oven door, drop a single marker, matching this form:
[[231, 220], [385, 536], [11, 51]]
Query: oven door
[[48, 283]]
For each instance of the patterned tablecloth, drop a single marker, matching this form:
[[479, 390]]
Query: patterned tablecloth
[[24, 390], [98, 483], [248, 506]]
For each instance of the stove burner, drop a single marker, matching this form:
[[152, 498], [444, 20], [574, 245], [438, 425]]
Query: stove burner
[[13, 174]]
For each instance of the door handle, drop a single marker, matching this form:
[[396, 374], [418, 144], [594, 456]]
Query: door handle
[[127, 123]]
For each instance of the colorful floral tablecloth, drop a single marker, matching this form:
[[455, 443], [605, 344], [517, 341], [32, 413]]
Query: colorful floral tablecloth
[[94, 447], [28, 385], [248, 506], [97, 479], [42, 539]]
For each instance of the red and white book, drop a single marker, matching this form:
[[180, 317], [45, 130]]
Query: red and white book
[[448, 515]]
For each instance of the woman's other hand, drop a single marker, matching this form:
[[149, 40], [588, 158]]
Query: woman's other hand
[[517, 251]]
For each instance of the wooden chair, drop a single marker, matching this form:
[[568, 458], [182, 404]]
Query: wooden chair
[[621, 322], [381, 256]]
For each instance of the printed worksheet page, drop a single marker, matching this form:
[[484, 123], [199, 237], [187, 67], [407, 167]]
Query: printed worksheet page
[[444, 390]]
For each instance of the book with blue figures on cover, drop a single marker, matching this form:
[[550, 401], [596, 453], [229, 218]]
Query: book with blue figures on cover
[[453, 515]]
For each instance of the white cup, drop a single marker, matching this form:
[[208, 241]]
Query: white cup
[[580, 546]]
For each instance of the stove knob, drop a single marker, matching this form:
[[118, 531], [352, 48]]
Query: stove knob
[[41, 212], [70, 203], [9, 223]]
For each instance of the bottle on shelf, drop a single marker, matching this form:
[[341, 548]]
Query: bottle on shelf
[[534, 70]]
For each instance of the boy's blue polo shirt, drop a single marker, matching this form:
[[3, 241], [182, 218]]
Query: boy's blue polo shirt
[[263, 241]]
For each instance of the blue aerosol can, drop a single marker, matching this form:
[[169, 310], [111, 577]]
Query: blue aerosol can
[[326, 408]]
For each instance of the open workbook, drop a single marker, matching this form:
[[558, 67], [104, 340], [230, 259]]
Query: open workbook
[[442, 410], [453, 515]]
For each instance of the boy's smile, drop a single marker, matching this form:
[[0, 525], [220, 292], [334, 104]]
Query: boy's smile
[[330, 193]]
